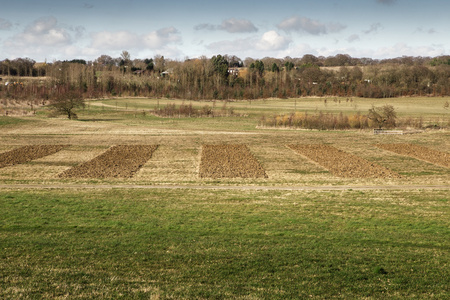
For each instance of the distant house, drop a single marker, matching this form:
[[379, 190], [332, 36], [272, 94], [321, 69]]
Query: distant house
[[139, 72], [233, 71], [166, 72]]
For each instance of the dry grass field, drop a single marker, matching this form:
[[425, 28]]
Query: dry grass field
[[165, 230], [108, 123]]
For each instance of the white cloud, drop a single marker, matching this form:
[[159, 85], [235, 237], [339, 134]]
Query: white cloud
[[270, 43], [158, 41], [304, 24], [401, 49], [47, 38], [271, 40], [42, 32], [161, 38], [230, 25], [42, 38], [298, 51], [230, 47], [114, 40]]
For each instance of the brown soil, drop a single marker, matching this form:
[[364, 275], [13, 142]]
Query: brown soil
[[229, 161], [419, 152], [343, 164], [121, 161], [27, 153]]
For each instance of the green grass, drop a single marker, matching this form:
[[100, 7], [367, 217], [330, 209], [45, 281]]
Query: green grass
[[409, 106], [131, 109], [11, 121], [186, 244]]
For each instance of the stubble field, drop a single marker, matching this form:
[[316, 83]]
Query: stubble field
[[180, 222]]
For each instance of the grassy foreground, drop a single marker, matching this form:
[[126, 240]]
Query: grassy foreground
[[224, 244]]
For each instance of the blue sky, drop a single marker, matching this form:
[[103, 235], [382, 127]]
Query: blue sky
[[59, 29]]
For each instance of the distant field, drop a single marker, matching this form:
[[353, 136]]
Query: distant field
[[106, 239], [408, 106]]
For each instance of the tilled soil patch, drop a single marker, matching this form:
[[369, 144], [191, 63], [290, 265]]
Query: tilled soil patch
[[121, 161], [28, 153], [341, 163], [419, 152], [229, 161]]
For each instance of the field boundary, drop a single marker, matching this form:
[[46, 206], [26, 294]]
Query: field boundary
[[226, 187]]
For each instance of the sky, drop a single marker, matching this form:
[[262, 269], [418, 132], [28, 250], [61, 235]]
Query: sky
[[49, 30]]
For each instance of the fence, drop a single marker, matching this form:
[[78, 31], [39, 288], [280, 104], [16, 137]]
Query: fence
[[384, 131]]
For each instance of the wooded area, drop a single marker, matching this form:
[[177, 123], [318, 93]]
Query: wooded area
[[225, 77]]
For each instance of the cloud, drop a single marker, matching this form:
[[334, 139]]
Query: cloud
[[353, 38], [304, 24], [119, 40], [161, 38], [43, 32], [205, 26], [271, 41], [373, 28], [236, 26], [428, 31], [5, 24], [230, 25], [387, 2], [230, 47], [114, 40], [407, 50], [43, 38], [88, 5]]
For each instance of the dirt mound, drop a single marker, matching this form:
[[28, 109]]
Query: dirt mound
[[343, 164], [419, 152], [229, 161], [27, 153], [121, 161]]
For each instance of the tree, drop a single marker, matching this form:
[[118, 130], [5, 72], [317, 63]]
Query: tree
[[275, 68], [105, 60], [258, 66], [289, 65], [159, 63], [149, 64], [384, 115], [67, 102], [220, 65]]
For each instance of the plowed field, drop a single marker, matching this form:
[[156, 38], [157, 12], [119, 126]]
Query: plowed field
[[419, 152], [121, 161], [343, 164], [229, 161], [27, 153]]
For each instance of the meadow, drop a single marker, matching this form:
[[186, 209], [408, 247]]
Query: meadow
[[168, 233]]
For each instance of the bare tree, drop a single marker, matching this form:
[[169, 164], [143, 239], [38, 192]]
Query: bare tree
[[383, 116], [66, 103]]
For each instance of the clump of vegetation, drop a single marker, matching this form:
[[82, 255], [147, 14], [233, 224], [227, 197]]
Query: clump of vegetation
[[66, 103], [321, 121], [189, 111], [383, 116], [377, 117]]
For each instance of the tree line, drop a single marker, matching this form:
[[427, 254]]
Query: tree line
[[225, 77]]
